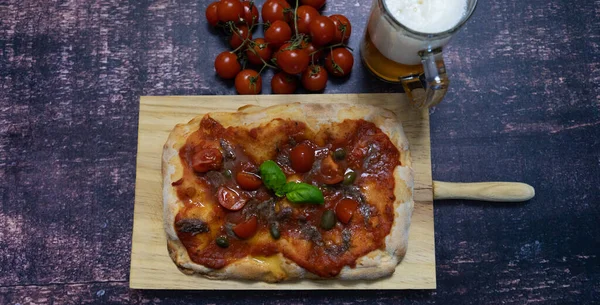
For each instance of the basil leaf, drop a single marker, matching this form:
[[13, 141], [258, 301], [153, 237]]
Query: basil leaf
[[273, 177], [303, 193]]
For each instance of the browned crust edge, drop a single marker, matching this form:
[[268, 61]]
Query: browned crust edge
[[377, 264]]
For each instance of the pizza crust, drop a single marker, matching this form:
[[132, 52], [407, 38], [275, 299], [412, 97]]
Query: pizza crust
[[377, 264]]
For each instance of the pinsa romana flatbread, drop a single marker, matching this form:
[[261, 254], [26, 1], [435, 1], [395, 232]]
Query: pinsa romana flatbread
[[317, 191]]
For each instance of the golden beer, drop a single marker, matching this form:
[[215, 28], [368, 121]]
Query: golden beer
[[403, 43], [384, 68]]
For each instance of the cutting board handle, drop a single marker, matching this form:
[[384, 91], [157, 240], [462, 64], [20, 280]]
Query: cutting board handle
[[484, 191]]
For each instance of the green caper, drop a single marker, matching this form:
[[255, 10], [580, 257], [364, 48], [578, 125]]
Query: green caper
[[222, 242], [274, 231], [328, 220], [349, 177], [228, 173], [339, 154]]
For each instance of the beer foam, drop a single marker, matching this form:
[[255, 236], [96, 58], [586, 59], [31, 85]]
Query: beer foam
[[428, 16]]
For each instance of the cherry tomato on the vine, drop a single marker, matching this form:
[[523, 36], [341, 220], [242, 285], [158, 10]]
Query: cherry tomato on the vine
[[227, 65], [343, 28], [230, 10], [322, 30], [258, 49], [283, 83], [211, 13], [314, 78], [313, 52], [239, 36], [314, 3], [277, 34], [305, 14], [291, 59], [339, 61], [250, 13], [274, 10], [298, 40], [248, 82]]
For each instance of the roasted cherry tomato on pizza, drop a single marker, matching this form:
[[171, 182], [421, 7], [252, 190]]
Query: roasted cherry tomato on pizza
[[302, 157], [231, 198], [248, 181], [247, 228], [345, 209], [207, 159]]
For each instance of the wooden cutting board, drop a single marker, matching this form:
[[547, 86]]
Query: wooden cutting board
[[151, 266]]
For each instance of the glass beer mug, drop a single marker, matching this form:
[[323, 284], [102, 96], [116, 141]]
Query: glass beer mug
[[403, 44]]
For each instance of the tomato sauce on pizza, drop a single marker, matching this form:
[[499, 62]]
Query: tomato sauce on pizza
[[234, 208]]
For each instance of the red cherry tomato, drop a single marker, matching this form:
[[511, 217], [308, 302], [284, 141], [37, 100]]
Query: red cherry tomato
[[314, 3], [250, 13], [211, 13], [292, 60], [313, 53], [248, 82], [283, 83], [305, 14], [339, 62], [248, 181], [246, 229], [261, 50], [322, 30], [230, 10], [240, 36], [343, 28], [277, 34], [331, 172], [274, 10], [302, 158], [314, 78], [207, 159], [345, 209], [227, 65], [231, 199]]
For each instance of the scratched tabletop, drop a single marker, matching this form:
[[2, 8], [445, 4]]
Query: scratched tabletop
[[524, 105]]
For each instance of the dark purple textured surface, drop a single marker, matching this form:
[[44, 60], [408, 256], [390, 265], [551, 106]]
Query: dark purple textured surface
[[524, 106]]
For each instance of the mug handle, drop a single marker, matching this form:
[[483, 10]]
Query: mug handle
[[429, 91]]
